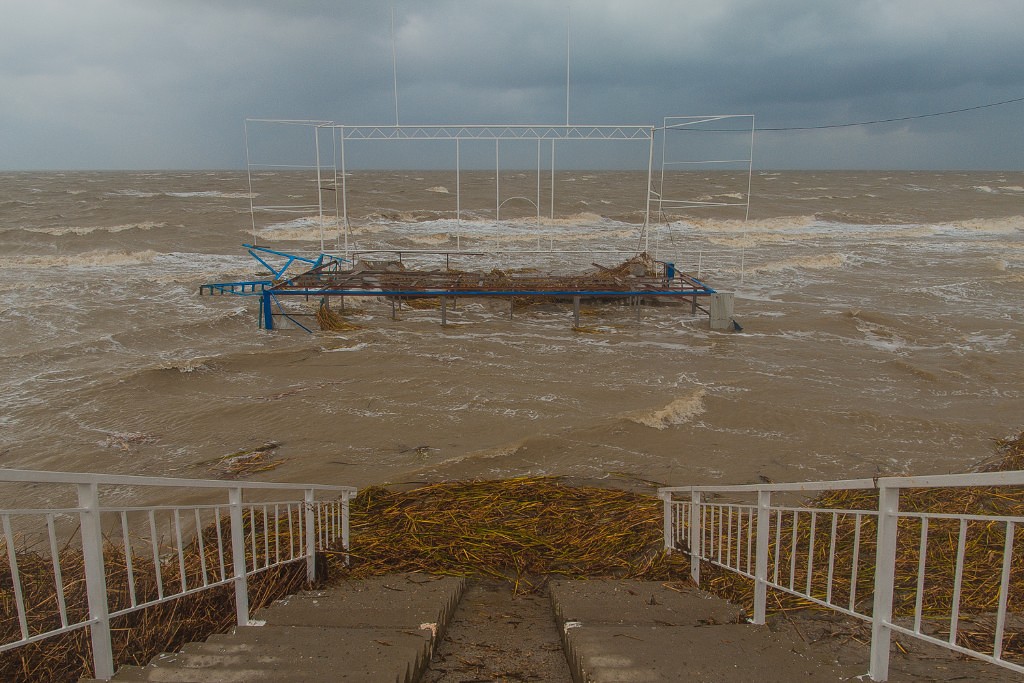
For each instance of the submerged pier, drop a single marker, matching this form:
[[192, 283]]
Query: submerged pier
[[331, 279]]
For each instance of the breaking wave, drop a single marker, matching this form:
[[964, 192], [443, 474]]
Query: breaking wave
[[79, 230], [88, 259], [678, 412], [819, 262]]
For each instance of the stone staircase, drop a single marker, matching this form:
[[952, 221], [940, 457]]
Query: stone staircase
[[389, 628], [378, 630]]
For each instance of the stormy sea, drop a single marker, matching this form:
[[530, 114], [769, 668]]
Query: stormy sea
[[881, 330]]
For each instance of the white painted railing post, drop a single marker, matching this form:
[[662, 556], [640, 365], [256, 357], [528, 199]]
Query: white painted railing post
[[96, 580], [696, 536], [344, 524], [238, 557], [764, 502], [310, 536], [885, 570], [668, 531]]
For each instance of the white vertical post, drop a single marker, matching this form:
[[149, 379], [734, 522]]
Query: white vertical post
[[553, 177], [650, 178], [696, 536], [538, 182], [319, 184], [238, 557], [310, 536], [885, 569], [764, 502], [344, 188], [95, 580]]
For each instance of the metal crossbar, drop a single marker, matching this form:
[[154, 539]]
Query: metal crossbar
[[185, 549], [846, 559]]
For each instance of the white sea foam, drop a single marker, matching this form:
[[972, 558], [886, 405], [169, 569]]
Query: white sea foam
[[89, 259], [815, 262], [992, 226], [131, 193], [677, 412], [212, 194], [438, 189], [81, 230], [355, 347]]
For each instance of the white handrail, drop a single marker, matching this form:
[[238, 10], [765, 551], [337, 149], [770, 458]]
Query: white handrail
[[766, 542], [312, 525]]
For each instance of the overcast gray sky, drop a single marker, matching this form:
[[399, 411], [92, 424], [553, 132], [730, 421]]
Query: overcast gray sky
[[153, 84]]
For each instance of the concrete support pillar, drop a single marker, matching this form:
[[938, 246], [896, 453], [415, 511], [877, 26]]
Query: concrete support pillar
[[721, 310]]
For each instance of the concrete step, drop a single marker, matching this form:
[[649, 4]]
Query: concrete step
[[379, 629], [644, 631]]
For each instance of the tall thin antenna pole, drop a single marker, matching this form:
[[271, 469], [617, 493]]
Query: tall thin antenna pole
[[568, 55], [394, 61]]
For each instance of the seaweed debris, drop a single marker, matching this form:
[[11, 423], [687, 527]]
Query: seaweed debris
[[522, 530]]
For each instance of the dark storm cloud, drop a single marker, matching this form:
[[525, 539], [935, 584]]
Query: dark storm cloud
[[167, 83]]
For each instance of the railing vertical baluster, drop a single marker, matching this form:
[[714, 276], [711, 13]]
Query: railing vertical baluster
[[958, 579], [696, 535], [266, 537], [668, 529], [922, 556], [201, 547], [792, 551], [252, 537], [181, 550], [778, 546], [764, 502], [855, 562], [58, 579], [321, 525], [277, 534], [291, 534], [238, 568], [831, 557], [751, 532], [728, 539], [310, 498], [718, 537], [810, 552], [885, 570], [337, 522], [155, 546], [709, 509], [129, 564], [1004, 591], [95, 580], [220, 542], [12, 559], [344, 524]]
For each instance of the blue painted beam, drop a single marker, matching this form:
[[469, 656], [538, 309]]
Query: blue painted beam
[[453, 292]]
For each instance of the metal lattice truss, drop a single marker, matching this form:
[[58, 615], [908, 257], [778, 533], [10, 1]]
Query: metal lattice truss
[[502, 132]]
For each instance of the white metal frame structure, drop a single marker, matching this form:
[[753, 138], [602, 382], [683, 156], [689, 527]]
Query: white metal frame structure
[[747, 536], [668, 161], [240, 544], [341, 135]]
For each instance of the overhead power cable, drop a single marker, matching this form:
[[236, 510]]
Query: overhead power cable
[[866, 123]]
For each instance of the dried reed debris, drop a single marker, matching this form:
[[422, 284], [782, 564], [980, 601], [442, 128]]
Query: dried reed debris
[[521, 529]]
